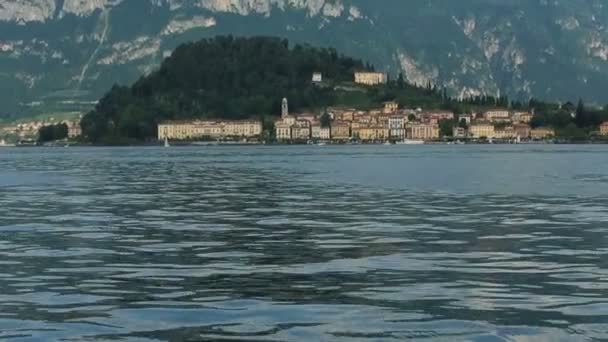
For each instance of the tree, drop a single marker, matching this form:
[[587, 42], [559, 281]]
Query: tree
[[581, 115], [52, 132], [401, 81], [463, 124], [411, 117], [572, 132], [325, 120], [446, 128]]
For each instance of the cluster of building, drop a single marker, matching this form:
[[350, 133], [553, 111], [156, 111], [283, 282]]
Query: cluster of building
[[391, 123], [388, 123], [29, 130], [499, 124], [207, 129]]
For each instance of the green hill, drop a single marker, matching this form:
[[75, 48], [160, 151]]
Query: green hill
[[223, 77]]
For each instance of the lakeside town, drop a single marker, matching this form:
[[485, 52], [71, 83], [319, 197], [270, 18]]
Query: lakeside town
[[387, 124]]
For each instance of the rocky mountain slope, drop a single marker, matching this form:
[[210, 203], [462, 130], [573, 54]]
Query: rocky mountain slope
[[58, 54]]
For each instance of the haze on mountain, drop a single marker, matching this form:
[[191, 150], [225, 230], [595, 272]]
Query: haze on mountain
[[64, 54]]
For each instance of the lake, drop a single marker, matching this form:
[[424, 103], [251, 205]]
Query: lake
[[304, 243]]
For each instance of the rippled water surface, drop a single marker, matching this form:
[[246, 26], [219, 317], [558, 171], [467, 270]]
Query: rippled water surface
[[368, 243]]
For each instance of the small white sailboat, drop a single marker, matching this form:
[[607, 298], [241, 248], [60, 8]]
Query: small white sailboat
[[167, 142]]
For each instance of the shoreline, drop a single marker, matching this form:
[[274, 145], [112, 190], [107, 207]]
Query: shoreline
[[319, 144]]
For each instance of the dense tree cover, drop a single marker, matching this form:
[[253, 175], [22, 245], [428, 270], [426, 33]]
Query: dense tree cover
[[446, 128], [223, 77], [569, 120], [52, 132], [325, 120]]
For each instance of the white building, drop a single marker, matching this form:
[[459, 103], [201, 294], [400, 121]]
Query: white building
[[317, 77], [325, 133], [396, 125]]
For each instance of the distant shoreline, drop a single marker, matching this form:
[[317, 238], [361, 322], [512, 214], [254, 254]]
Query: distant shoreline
[[240, 144]]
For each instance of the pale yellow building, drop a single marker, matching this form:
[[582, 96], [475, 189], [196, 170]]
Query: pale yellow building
[[325, 133], [370, 78], [481, 130], [497, 115], [282, 130], [542, 133], [604, 128], [301, 130], [243, 129], [522, 130], [373, 133], [340, 131], [505, 133], [197, 129], [177, 130], [420, 131]]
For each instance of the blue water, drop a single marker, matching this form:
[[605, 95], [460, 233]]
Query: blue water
[[354, 243]]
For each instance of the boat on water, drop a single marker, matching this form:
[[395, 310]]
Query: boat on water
[[321, 144], [167, 142], [387, 143], [410, 142]]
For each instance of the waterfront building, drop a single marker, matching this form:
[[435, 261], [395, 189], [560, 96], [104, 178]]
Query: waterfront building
[[422, 131], [340, 131], [373, 133], [542, 133], [207, 129], [176, 130], [505, 133], [396, 125], [383, 119], [479, 130], [282, 130], [301, 130], [315, 131], [370, 78], [197, 129], [497, 115], [604, 128], [242, 128], [325, 133], [522, 130], [317, 77]]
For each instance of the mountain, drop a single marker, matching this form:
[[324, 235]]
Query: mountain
[[64, 54]]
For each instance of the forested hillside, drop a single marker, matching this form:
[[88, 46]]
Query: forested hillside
[[223, 77]]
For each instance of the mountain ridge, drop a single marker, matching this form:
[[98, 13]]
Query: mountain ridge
[[64, 54]]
